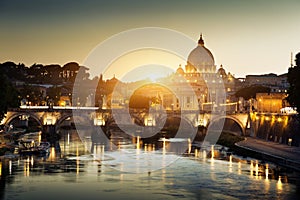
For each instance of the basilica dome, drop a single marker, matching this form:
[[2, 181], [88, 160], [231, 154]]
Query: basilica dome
[[200, 59], [222, 72], [180, 70]]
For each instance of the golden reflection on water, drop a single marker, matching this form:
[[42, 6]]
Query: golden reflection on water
[[196, 153], [52, 154], [256, 170], [204, 155], [267, 172], [138, 142], [190, 146], [251, 168], [279, 184], [164, 145], [230, 164], [31, 161], [267, 185], [239, 168], [212, 151], [68, 139], [9, 167], [163, 174], [77, 166], [27, 167]]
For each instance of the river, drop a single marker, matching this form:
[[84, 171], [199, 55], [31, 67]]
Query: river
[[139, 172]]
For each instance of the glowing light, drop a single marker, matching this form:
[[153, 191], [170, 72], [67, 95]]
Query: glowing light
[[279, 119], [149, 121], [99, 121]]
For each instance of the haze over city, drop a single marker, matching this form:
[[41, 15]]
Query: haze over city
[[253, 37]]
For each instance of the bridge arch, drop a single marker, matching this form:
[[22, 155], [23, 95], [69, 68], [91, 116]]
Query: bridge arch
[[17, 115], [79, 118], [186, 128], [62, 119], [227, 121]]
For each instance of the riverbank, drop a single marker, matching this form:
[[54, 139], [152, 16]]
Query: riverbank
[[279, 154]]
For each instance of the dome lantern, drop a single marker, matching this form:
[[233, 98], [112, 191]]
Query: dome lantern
[[201, 41]]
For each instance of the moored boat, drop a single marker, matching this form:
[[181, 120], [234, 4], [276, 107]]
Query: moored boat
[[29, 147]]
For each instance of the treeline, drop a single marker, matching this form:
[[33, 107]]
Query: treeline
[[41, 74]]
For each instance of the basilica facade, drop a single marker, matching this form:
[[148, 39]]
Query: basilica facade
[[212, 88]]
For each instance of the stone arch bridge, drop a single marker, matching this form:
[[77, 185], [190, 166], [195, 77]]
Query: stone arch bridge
[[58, 116]]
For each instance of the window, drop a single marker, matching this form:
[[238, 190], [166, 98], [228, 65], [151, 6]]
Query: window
[[188, 100]]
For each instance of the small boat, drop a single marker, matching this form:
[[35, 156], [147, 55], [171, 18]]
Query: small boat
[[29, 147]]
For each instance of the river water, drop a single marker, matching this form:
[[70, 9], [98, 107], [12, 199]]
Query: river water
[[72, 172]]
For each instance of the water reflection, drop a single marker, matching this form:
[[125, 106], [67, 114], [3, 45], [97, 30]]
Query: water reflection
[[239, 168], [279, 184], [267, 172], [198, 173]]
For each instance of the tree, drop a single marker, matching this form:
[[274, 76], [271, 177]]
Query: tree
[[250, 91], [8, 94], [294, 81]]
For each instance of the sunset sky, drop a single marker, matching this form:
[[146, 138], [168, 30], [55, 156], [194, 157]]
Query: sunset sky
[[247, 37]]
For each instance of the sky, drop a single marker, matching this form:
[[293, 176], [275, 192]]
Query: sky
[[246, 37]]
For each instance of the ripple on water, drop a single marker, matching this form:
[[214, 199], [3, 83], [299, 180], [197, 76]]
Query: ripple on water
[[185, 178]]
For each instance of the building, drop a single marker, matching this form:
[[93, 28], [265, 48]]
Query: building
[[211, 88], [277, 83], [270, 102]]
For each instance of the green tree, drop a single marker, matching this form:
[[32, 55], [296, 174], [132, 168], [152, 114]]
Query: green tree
[[8, 94], [250, 91], [294, 81]]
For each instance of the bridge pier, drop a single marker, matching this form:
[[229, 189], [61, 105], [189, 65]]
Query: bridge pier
[[50, 129], [49, 133]]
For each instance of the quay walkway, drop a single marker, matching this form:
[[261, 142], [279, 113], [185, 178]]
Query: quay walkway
[[281, 154]]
